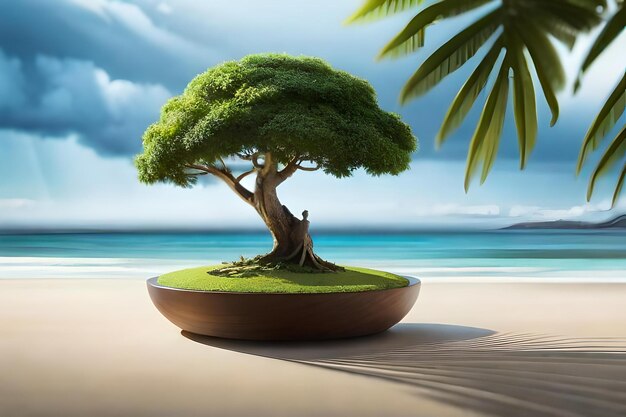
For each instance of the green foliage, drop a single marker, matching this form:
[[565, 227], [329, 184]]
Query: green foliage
[[289, 106], [605, 120], [609, 114], [373, 9], [611, 30], [517, 35], [283, 281], [412, 36], [484, 143], [611, 156]]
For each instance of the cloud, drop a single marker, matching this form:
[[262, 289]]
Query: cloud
[[542, 213], [164, 8], [11, 82], [131, 17], [15, 203], [74, 96], [443, 210], [143, 42], [118, 36]]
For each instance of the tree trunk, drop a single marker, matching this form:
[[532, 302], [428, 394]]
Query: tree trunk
[[292, 242]]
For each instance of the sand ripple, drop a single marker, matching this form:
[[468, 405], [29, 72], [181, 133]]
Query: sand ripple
[[507, 374], [480, 371]]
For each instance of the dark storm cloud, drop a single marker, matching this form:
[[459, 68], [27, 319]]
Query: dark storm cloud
[[57, 97], [117, 36], [101, 69], [98, 69]]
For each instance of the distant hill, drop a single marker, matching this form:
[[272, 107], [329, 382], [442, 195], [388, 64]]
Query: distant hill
[[618, 222]]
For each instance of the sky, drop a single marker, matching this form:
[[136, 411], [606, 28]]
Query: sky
[[80, 80]]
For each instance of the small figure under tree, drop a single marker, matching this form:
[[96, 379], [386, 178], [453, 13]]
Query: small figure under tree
[[280, 114]]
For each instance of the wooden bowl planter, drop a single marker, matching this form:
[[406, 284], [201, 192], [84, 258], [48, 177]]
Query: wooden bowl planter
[[264, 316]]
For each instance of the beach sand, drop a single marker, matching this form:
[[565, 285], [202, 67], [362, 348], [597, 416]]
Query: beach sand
[[99, 348]]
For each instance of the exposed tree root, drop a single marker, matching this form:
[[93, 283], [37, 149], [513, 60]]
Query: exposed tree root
[[293, 246], [267, 263]]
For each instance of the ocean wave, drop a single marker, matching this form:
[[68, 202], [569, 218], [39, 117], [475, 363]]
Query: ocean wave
[[45, 267], [57, 268]]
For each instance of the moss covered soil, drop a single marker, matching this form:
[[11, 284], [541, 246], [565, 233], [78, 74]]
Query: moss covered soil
[[353, 279]]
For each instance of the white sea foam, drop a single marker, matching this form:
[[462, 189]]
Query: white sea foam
[[52, 268], [46, 267]]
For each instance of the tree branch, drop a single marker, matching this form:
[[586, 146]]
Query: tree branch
[[204, 168], [245, 194], [300, 167], [245, 174], [255, 161], [292, 166], [289, 169], [223, 164], [269, 165], [252, 157]]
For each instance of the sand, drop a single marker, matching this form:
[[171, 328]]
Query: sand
[[99, 348]]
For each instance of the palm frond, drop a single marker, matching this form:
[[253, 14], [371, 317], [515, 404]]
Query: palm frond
[[562, 19], [546, 62], [523, 100], [464, 100], [484, 144], [592, 4], [613, 153], [611, 30], [375, 9], [450, 56], [578, 16], [564, 33], [619, 186], [412, 36], [606, 119], [529, 31]]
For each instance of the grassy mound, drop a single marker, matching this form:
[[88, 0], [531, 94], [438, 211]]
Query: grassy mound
[[283, 281]]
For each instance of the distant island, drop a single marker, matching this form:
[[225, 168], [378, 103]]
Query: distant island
[[618, 222]]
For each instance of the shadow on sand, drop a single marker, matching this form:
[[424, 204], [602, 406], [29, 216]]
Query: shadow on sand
[[476, 369]]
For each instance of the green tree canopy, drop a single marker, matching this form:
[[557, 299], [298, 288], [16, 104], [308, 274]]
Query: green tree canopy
[[297, 108], [274, 112]]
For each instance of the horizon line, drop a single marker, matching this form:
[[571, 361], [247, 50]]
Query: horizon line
[[239, 230]]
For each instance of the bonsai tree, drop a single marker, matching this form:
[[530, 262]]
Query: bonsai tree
[[276, 115]]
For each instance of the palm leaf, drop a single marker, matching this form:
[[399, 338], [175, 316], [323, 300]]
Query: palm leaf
[[450, 56], [618, 187], [578, 16], [613, 153], [611, 111], [546, 62], [564, 33], [523, 99], [592, 4], [464, 100], [587, 4], [529, 30], [492, 138], [412, 36], [563, 19], [613, 27], [484, 143], [374, 9]]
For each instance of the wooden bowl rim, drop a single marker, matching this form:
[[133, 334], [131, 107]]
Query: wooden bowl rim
[[413, 281]]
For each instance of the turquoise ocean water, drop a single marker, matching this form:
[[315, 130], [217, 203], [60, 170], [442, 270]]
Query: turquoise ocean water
[[598, 256]]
